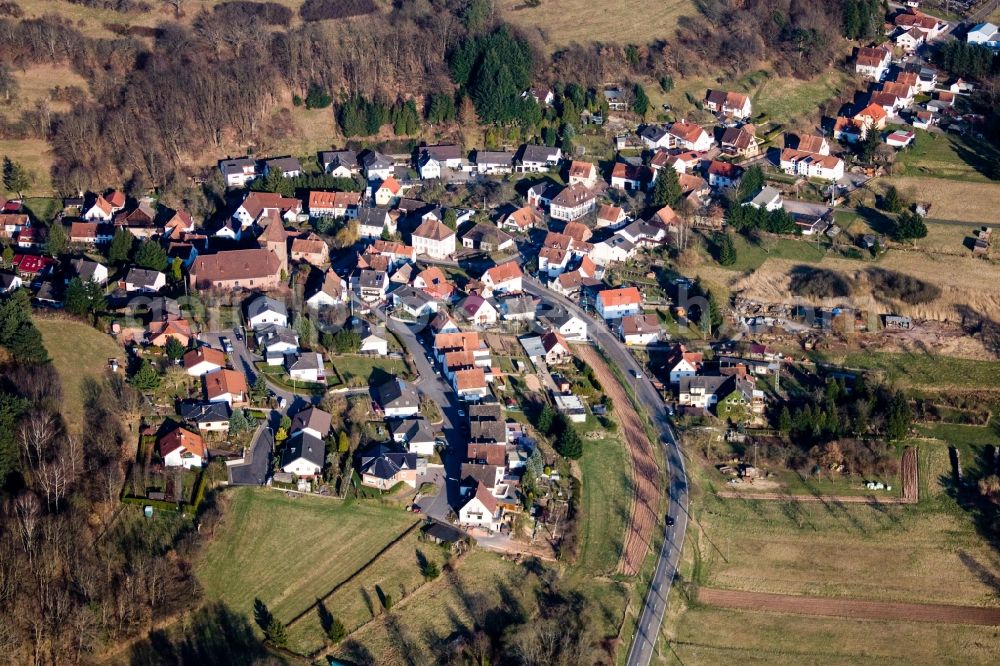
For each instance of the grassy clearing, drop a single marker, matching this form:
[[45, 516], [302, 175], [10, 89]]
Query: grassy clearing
[[952, 200], [79, 353], [416, 628], [34, 83], [606, 504], [646, 21], [786, 99], [963, 435], [396, 573], [929, 370], [886, 552], [749, 256], [950, 156], [36, 156], [749, 638], [288, 552], [367, 369]]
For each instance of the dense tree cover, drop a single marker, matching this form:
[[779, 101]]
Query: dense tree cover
[[835, 412], [150, 254], [667, 190], [863, 19], [970, 61], [494, 69], [84, 298], [15, 177], [909, 226], [120, 248], [727, 250], [275, 182], [359, 116], [57, 239], [748, 218], [18, 334], [751, 182]]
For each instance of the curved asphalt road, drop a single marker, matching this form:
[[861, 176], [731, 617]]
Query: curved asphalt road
[[655, 605]]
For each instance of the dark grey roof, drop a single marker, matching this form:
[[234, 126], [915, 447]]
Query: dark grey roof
[[370, 278], [558, 317], [414, 429], [711, 383], [313, 418], [372, 159], [533, 153], [284, 164], [7, 280], [236, 165], [653, 133], [307, 361], [372, 217], [494, 157], [205, 412], [143, 277], [411, 297], [335, 158], [304, 445], [514, 305], [443, 532], [384, 463], [272, 333], [397, 393], [442, 152], [263, 304]]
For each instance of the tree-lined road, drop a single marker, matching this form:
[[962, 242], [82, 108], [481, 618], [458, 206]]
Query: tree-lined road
[[655, 605]]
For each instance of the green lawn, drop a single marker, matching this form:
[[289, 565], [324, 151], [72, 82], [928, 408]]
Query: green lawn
[[785, 100], [929, 370], [288, 552], [963, 435], [750, 256], [363, 369], [606, 504], [947, 156], [80, 353]]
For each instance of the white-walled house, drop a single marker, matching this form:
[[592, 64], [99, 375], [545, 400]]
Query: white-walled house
[[811, 165], [265, 310], [481, 510], [303, 455], [182, 448], [617, 303], [434, 239]]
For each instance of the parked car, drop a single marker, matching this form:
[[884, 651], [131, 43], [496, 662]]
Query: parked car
[[226, 344]]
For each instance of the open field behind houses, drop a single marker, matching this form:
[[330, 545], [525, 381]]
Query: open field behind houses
[[952, 200], [36, 156], [80, 353], [710, 635], [561, 22], [946, 155], [290, 551]]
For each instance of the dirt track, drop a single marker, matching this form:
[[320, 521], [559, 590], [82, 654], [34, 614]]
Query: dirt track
[[851, 608], [645, 471], [840, 499]]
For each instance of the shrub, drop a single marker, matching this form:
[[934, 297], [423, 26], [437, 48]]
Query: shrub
[[317, 10]]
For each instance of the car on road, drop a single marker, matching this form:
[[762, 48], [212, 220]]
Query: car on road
[[226, 344], [637, 374], [237, 335], [461, 413], [670, 521]]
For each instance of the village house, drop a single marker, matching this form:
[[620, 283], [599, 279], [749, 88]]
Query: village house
[[201, 361], [375, 165], [433, 160], [339, 163], [370, 285], [769, 198], [614, 304], [471, 384], [225, 385], [566, 324], [493, 162], [683, 363], [730, 104], [740, 141], [258, 206], [159, 333], [311, 249], [537, 159], [689, 136], [303, 455], [930, 26], [506, 278], [984, 34], [306, 367], [413, 302], [288, 167], [277, 343], [630, 177], [91, 233], [207, 416], [640, 330], [811, 165], [239, 171], [333, 291], [582, 173], [522, 219], [415, 433], [488, 238], [265, 310], [478, 311], [872, 62], [89, 271], [373, 222], [909, 40], [572, 203], [387, 192], [434, 239], [383, 467], [723, 174], [611, 216], [396, 399], [434, 282], [144, 280], [701, 391], [334, 204], [556, 348], [810, 143], [182, 448], [481, 510]]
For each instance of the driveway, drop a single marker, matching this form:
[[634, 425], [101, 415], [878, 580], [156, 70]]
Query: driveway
[[257, 462]]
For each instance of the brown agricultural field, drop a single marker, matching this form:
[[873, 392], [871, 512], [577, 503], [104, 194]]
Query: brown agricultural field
[[952, 200]]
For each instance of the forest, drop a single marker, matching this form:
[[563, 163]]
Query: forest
[[164, 100]]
